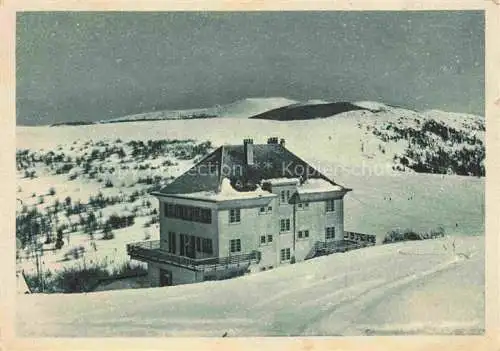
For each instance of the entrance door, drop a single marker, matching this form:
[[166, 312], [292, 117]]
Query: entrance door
[[165, 277], [187, 247]]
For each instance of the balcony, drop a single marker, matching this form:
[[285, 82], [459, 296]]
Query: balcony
[[150, 251]]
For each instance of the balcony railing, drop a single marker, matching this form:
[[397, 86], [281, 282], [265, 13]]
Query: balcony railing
[[329, 247], [151, 251], [360, 237]]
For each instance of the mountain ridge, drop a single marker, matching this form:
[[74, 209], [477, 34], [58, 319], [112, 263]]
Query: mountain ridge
[[272, 108]]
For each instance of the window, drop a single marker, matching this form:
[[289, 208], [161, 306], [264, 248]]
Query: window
[[188, 213], [265, 210], [198, 244], [206, 216], [266, 239], [171, 242], [330, 205], [303, 234], [235, 245], [303, 205], [330, 233], [169, 210], [183, 244], [284, 196], [234, 215], [285, 255], [206, 246], [197, 214], [284, 225]]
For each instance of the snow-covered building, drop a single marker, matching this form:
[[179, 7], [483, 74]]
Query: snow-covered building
[[243, 207]]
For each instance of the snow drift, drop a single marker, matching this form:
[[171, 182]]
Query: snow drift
[[369, 291]]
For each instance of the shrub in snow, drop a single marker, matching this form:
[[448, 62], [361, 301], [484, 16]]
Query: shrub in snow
[[128, 270], [409, 235], [116, 222], [67, 201], [434, 147], [74, 253], [73, 176], [108, 233], [59, 239], [78, 279], [64, 169], [29, 174]]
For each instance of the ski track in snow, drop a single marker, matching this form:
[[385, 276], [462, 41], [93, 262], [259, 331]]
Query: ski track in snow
[[301, 299], [353, 307]]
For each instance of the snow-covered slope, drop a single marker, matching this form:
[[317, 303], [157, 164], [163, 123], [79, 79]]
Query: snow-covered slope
[[253, 106], [239, 109], [377, 290], [385, 136], [406, 288], [372, 105]]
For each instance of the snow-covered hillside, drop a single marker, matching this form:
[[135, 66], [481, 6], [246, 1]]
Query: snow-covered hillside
[[239, 109], [405, 288], [382, 136], [78, 178]]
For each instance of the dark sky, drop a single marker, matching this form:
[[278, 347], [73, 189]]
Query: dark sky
[[91, 66]]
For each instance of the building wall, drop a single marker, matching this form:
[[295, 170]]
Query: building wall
[[285, 211], [251, 226], [180, 226], [179, 275], [316, 220], [153, 274]]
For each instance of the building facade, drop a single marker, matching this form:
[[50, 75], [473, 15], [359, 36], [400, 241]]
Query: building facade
[[242, 208]]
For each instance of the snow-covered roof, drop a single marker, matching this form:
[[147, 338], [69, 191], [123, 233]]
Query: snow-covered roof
[[269, 162], [317, 186], [227, 192], [281, 181]]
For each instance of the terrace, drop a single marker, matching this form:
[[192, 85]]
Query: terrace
[[150, 251]]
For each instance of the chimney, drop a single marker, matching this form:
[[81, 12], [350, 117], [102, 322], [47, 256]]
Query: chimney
[[272, 140], [282, 142], [248, 149]]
